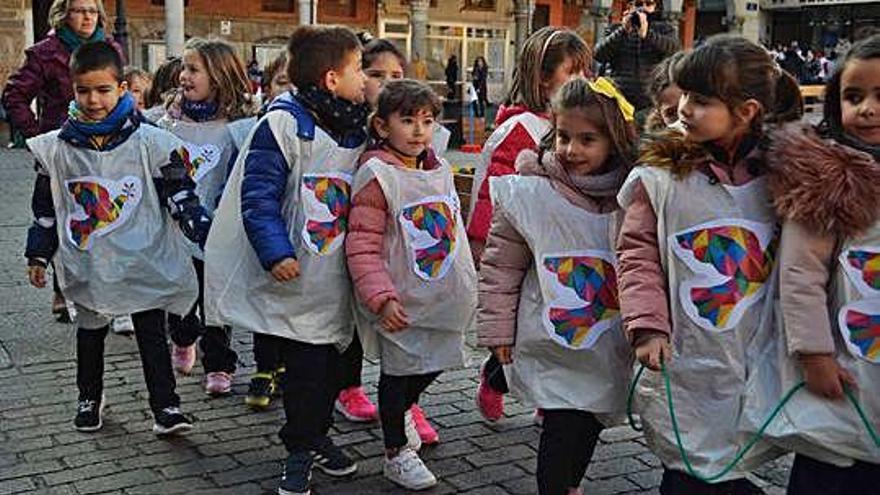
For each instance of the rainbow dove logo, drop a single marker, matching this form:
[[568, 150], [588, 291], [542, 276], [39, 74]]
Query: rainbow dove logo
[[430, 229], [859, 324], [199, 159], [100, 206], [862, 266], [586, 304], [731, 260], [327, 203]]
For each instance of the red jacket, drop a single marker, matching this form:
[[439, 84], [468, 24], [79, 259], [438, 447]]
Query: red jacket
[[45, 76]]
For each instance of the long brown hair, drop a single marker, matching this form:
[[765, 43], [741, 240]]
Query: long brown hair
[[542, 53], [228, 77], [603, 112]]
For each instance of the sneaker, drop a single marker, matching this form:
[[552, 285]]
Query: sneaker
[[297, 477], [218, 383], [413, 439], [123, 325], [407, 470], [183, 358], [170, 421], [490, 403], [89, 415], [575, 490], [426, 432], [279, 377], [538, 418], [332, 460], [355, 406], [260, 391]]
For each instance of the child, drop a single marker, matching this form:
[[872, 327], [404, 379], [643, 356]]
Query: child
[[664, 95], [139, 83], [276, 263], [548, 290], [266, 382], [106, 177], [696, 252], [550, 57], [213, 91], [411, 266], [826, 186], [165, 82]]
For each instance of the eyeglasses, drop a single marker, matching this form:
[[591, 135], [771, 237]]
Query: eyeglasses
[[644, 3], [84, 11]]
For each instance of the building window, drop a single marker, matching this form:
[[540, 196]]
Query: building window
[[161, 3], [339, 8], [284, 6], [432, 3], [479, 4]]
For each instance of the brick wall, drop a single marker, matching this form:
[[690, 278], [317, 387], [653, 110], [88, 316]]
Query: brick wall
[[13, 26]]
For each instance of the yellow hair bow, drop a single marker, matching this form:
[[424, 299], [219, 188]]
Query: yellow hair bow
[[605, 87]]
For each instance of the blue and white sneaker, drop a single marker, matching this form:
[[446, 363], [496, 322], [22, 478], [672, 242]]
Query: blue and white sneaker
[[297, 477], [332, 460]]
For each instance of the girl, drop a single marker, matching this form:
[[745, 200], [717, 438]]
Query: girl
[[550, 57], [664, 94], [139, 83], [407, 254], [548, 291], [166, 80], [826, 186], [695, 272], [213, 91]]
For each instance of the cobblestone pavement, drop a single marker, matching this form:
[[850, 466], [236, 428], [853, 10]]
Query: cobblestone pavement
[[233, 450]]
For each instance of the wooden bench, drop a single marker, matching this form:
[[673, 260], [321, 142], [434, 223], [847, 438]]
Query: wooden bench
[[813, 95]]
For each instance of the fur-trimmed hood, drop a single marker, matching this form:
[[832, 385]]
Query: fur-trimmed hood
[[826, 186], [669, 149]]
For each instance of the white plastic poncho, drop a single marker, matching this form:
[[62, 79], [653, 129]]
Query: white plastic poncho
[[570, 351], [240, 129], [428, 257], [717, 246], [317, 306], [119, 251]]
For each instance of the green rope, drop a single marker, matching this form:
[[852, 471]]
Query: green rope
[[752, 441]]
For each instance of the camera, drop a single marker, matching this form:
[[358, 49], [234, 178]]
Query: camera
[[635, 20]]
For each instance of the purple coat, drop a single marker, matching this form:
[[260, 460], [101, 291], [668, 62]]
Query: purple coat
[[45, 76]]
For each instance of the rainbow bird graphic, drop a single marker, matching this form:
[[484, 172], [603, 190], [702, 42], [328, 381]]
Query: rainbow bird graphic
[[732, 251], [199, 159], [868, 265], [863, 332], [594, 282], [431, 227], [333, 194], [101, 207]]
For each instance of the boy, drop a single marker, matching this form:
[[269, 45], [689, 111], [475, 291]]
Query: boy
[[105, 176], [275, 263]]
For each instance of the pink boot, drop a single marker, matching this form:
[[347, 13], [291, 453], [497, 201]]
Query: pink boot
[[183, 358], [490, 403], [218, 383], [427, 432], [355, 406]]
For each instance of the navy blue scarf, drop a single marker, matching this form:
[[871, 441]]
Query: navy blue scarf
[[81, 132], [341, 117], [199, 111]]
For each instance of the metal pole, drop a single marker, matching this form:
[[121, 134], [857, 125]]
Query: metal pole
[[120, 29], [174, 33]]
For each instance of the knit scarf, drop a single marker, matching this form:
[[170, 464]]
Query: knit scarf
[[112, 123], [871, 149], [581, 190], [341, 117], [199, 111], [72, 41]]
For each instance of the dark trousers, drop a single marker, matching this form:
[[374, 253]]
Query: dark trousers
[[216, 342], [267, 352], [568, 439], [493, 371], [149, 332], [396, 395], [680, 483], [310, 388], [811, 477], [352, 364]]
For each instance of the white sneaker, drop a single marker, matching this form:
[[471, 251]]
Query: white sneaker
[[407, 470], [122, 325], [413, 439]]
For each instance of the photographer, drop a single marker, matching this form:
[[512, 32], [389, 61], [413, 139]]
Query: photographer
[[632, 48]]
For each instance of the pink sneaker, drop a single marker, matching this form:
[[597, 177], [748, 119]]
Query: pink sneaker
[[427, 432], [355, 406], [575, 491], [218, 383], [183, 358], [489, 402]]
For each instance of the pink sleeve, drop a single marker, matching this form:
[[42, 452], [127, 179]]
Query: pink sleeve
[[642, 281], [363, 248], [500, 163]]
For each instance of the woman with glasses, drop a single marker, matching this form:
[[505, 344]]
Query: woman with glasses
[[45, 76]]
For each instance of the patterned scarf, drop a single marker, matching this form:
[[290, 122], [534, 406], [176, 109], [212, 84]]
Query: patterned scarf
[[341, 117]]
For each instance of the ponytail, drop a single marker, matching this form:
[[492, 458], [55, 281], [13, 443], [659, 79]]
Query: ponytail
[[788, 104]]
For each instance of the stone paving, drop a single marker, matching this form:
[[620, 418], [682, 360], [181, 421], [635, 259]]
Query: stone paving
[[233, 450]]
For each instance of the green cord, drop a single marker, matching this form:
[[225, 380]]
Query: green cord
[[752, 441]]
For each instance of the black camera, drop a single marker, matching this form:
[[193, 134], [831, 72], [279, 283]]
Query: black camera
[[635, 20]]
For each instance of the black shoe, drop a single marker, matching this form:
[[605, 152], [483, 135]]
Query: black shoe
[[170, 421], [89, 415], [297, 477], [260, 391], [332, 460]]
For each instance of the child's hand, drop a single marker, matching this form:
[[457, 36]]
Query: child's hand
[[37, 275], [824, 375], [503, 353], [653, 351], [285, 270], [394, 318]]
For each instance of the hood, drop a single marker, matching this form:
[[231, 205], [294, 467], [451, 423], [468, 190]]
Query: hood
[[825, 185], [505, 112]]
